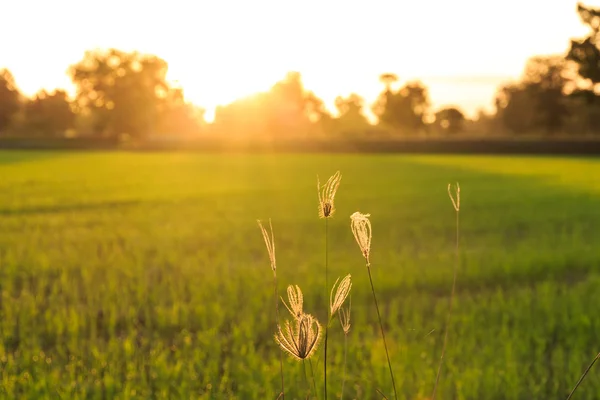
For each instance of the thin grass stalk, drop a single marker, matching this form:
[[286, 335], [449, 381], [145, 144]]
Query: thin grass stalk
[[344, 371], [583, 376], [277, 326], [306, 379], [312, 372], [387, 353], [326, 326], [456, 204], [270, 244], [344, 316]]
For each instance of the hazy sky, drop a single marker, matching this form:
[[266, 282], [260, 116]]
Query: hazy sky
[[219, 50]]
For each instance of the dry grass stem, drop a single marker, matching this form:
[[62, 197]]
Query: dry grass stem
[[327, 195], [361, 228], [270, 243], [456, 203], [583, 376], [342, 291], [296, 300], [300, 338]]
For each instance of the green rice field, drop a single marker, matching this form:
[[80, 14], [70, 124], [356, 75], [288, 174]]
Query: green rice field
[[145, 275]]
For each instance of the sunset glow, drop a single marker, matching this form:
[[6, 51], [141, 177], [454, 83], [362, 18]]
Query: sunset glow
[[220, 51]]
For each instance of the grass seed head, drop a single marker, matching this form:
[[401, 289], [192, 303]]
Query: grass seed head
[[299, 338], [296, 300], [344, 316], [342, 291], [327, 195], [455, 202], [361, 228], [270, 243]]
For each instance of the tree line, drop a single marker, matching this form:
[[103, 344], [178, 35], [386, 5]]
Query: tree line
[[126, 94]]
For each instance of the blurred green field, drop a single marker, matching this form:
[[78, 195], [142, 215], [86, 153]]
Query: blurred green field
[[129, 275]]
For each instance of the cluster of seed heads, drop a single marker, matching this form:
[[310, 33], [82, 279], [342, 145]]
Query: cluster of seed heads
[[300, 336]]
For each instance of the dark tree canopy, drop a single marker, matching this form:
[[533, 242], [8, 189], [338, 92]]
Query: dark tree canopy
[[405, 108], [585, 52], [9, 99], [450, 119], [126, 91], [287, 109], [49, 114]]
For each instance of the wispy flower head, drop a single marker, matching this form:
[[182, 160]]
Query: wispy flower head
[[296, 300], [344, 315], [342, 291], [270, 243], [361, 228], [300, 338], [327, 194], [455, 201]]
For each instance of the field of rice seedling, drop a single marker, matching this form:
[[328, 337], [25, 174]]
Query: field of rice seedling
[[129, 275]]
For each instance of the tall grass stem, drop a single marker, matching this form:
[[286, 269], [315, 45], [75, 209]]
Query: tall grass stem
[[583, 376], [387, 354], [326, 293], [277, 327], [451, 301], [312, 372], [344, 373]]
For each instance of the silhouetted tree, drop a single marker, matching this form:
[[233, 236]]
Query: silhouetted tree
[[9, 99], [404, 109], [287, 109], [546, 78], [388, 79], [125, 91], [516, 108], [538, 101], [450, 120], [351, 119], [48, 114], [179, 117], [585, 52]]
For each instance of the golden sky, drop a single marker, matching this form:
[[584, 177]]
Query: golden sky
[[219, 50]]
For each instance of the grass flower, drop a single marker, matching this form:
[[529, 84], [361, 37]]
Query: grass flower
[[342, 291], [361, 228], [296, 300], [344, 316], [300, 338], [270, 243], [327, 195]]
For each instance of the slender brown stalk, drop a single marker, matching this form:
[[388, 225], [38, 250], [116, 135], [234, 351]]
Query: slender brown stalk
[[306, 379], [326, 326], [387, 354], [344, 315], [583, 376], [456, 204], [345, 358], [312, 372], [277, 326]]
